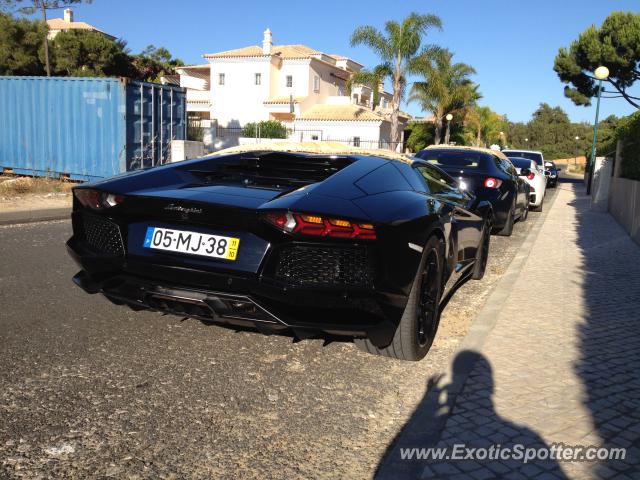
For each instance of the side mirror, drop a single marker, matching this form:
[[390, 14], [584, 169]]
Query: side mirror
[[524, 172], [558, 169]]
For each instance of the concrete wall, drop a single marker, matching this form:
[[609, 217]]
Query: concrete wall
[[624, 199], [368, 131], [624, 205], [600, 187], [186, 149]]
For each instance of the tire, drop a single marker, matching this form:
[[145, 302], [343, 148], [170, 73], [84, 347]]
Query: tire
[[539, 207], [483, 252], [419, 323], [507, 230]]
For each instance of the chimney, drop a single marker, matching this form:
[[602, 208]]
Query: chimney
[[68, 15], [267, 42]]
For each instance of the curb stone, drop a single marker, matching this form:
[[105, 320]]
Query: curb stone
[[32, 216]]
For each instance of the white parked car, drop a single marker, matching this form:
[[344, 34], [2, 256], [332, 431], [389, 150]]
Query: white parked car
[[537, 181], [534, 155]]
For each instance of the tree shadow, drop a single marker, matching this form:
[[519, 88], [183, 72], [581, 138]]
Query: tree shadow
[[465, 405]]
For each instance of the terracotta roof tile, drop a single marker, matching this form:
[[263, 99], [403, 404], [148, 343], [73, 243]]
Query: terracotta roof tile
[[284, 51], [285, 100], [61, 24], [347, 112]]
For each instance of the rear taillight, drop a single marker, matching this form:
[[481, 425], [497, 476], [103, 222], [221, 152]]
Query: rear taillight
[[531, 176], [96, 199], [492, 182], [319, 226]]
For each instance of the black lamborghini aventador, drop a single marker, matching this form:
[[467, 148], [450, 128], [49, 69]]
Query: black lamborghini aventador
[[368, 247]]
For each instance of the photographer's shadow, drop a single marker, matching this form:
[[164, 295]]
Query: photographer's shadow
[[461, 417]]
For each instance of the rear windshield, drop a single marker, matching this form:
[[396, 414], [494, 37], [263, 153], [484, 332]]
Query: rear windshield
[[520, 162], [468, 160], [537, 157]]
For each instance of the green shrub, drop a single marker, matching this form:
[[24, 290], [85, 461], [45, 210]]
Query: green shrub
[[265, 129], [195, 132], [420, 137], [629, 132]]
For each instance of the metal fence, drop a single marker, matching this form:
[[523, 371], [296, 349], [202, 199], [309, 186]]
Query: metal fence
[[370, 144]]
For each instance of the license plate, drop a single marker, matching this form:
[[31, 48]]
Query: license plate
[[192, 243]]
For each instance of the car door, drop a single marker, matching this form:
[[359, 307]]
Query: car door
[[467, 224]]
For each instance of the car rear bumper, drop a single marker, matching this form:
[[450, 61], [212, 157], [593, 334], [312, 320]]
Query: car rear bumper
[[241, 299]]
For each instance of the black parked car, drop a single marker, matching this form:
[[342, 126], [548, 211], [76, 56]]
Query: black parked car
[[551, 171], [357, 245], [490, 175]]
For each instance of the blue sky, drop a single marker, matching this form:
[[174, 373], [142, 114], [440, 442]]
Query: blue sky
[[511, 43]]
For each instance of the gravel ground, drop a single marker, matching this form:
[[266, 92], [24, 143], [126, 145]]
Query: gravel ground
[[35, 201], [88, 389]]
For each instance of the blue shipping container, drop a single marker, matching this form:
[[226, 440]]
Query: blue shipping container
[[87, 128]]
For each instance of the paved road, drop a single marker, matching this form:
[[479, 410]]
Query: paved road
[[91, 389]]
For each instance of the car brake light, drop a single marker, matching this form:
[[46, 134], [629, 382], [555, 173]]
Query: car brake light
[[96, 199], [531, 176], [492, 182], [318, 226]]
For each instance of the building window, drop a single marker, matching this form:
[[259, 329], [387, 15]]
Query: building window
[[221, 79], [258, 78], [289, 81], [314, 137], [316, 84], [356, 141]]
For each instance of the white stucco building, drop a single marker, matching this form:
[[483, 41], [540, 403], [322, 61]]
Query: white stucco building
[[304, 88]]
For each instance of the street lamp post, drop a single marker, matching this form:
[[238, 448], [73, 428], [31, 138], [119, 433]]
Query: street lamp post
[[575, 160], [601, 73], [449, 117]]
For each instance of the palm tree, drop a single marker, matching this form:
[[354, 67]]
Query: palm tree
[[446, 87], [483, 126], [397, 47]]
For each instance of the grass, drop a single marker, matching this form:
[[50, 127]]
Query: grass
[[11, 185]]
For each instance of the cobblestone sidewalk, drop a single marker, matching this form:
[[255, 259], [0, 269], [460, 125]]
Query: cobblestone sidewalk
[[562, 363]]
